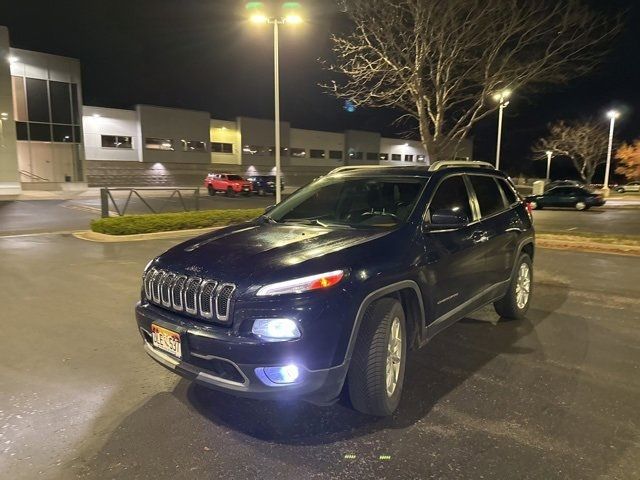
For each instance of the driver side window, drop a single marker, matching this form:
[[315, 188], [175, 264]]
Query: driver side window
[[452, 195]]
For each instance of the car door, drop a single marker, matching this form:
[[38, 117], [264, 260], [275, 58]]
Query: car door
[[220, 182], [556, 197], [452, 263], [497, 227]]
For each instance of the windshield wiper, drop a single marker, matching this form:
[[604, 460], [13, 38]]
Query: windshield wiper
[[307, 221]]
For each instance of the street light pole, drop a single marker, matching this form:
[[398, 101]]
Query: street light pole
[[501, 97], [549, 155], [613, 115], [276, 22]]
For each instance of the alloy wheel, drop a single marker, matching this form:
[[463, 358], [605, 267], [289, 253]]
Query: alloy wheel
[[523, 286], [394, 356]]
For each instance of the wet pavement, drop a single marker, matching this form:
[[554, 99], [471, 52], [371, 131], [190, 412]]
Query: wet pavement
[[554, 396]]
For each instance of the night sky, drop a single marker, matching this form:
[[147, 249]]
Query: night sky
[[203, 55]]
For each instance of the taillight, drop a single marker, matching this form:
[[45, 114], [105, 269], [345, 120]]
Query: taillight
[[529, 209]]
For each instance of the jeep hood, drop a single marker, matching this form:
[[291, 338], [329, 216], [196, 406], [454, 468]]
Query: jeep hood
[[235, 254]]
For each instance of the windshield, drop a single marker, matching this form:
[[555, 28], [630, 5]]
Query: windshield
[[352, 202], [234, 177]]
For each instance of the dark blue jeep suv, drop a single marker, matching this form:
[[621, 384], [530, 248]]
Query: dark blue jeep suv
[[328, 290]]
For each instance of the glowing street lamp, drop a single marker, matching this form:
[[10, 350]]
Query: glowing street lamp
[[291, 18], [613, 116], [549, 155], [502, 98]]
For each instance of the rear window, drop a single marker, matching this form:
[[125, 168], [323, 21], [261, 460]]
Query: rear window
[[509, 194], [234, 177], [488, 194]]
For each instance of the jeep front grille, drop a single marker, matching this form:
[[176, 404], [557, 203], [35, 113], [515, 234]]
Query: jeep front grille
[[195, 296]]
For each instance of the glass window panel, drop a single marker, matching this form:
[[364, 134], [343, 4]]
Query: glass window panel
[[313, 153], [451, 195], [63, 133], [298, 152], [488, 194], [335, 154], [372, 155], [218, 147], [396, 156], [22, 130], [38, 100], [384, 156], [74, 104], [408, 158], [19, 99], [194, 146], [355, 155], [40, 132], [509, 193], [158, 144], [60, 102], [113, 141]]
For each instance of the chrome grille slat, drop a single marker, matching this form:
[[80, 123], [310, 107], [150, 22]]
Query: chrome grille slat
[[204, 298]]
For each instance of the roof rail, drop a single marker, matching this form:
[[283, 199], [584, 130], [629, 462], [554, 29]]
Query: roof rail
[[359, 167], [440, 164]]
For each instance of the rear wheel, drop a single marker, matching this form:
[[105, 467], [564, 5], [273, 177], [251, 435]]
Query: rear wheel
[[515, 303], [211, 190], [376, 373], [261, 192], [229, 192], [580, 206]]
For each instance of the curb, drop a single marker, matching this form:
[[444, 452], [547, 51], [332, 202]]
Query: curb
[[90, 236], [594, 247]]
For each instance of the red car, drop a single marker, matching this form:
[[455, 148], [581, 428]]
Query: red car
[[229, 184]]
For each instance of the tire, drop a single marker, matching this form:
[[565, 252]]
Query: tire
[[369, 391], [580, 206], [211, 190], [261, 192], [230, 192], [509, 306]]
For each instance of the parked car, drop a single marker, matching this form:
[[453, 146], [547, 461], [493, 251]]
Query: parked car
[[570, 197], [629, 187], [328, 290], [564, 183], [265, 184], [227, 183]]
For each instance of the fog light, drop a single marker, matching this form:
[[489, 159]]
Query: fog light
[[276, 329], [286, 374]]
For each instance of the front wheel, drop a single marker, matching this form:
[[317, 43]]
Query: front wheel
[[230, 192], [211, 190], [376, 372], [580, 206], [515, 303]]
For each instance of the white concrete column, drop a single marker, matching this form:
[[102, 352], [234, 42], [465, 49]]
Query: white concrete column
[[9, 172]]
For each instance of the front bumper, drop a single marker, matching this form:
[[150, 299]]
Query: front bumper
[[226, 364]]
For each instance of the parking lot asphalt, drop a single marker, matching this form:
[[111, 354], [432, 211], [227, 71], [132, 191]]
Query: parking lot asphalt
[[554, 396]]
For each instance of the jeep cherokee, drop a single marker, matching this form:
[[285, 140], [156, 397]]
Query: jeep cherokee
[[328, 290]]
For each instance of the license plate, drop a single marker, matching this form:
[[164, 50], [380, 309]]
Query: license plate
[[166, 340], [246, 189]]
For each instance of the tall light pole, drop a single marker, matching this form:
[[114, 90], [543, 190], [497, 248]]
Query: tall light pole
[[502, 98], [613, 116], [549, 155], [276, 22]]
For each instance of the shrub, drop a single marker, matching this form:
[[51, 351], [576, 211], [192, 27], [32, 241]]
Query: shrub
[[163, 222]]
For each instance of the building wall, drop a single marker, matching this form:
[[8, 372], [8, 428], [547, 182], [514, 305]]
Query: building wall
[[359, 144], [226, 132], [317, 140], [408, 151], [9, 175], [97, 122]]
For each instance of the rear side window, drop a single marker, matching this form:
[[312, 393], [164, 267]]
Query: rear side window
[[488, 194], [509, 194], [451, 195]]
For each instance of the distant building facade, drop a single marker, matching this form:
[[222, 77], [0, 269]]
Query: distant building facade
[[49, 140]]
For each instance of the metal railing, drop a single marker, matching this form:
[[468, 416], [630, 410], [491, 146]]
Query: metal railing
[[107, 199], [33, 176]]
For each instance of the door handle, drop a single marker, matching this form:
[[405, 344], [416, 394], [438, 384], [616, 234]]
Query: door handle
[[480, 237]]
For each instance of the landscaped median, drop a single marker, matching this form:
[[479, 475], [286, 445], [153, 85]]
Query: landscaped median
[[169, 222], [590, 242]]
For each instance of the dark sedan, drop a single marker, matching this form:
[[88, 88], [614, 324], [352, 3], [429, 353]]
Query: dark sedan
[[265, 184], [568, 197]]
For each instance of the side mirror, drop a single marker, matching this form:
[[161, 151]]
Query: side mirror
[[447, 218], [269, 208]]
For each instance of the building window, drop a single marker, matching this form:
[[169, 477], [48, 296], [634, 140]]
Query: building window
[[112, 141], [60, 103], [158, 144], [372, 156], [422, 158], [298, 152], [40, 132], [396, 157], [38, 100], [316, 153], [218, 147], [335, 154], [355, 155], [384, 156], [63, 133], [408, 158], [194, 146], [22, 130]]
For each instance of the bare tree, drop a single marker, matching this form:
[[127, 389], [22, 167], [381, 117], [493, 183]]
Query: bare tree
[[441, 61], [584, 142]]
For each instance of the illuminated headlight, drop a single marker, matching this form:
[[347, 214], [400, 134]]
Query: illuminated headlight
[[276, 329], [282, 375], [304, 284]]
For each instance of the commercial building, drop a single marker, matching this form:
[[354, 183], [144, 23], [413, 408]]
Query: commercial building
[[49, 140]]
